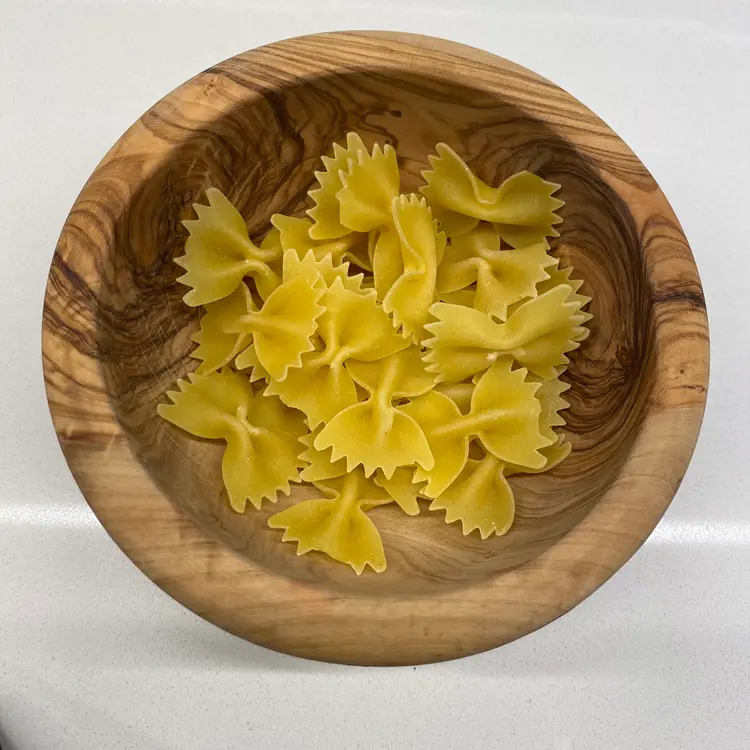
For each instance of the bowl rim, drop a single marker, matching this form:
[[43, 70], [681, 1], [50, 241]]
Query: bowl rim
[[289, 616]]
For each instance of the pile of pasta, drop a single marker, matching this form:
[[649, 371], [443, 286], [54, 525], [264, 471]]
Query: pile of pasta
[[385, 348]]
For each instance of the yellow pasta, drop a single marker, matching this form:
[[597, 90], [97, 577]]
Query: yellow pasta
[[387, 262], [328, 271], [402, 488], [522, 208], [550, 397], [272, 241], [409, 299], [407, 241], [294, 234], [326, 213], [219, 254], [217, 347], [480, 498], [337, 524], [463, 297], [504, 416], [282, 330], [553, 455], [459, 393], [560, 277], [318, 464], [375, 432], [369, 187], [251, 366], [262, 453], [453, 223], [353, 326], [502, 277], [399, 350], [538, 334]]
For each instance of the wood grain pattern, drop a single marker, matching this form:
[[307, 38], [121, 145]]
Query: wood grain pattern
[[116, 335]]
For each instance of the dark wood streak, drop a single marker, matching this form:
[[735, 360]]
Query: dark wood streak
[[117, 335], [694, 299]]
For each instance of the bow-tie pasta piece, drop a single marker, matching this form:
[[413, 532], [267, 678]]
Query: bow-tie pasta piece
[[375, 433], [272, 242], [401, 488], [369, 186], [452, 223], [262, 452], [337, 525], [294, 234], [480, 498], [216, 347], [546, 353], [550, 398], [522, 208], [561, 276], [271, 412], [553, 455], [308, 265], [537, 335], [504, 415], [409, 299], [463, 297], [219, 254], [459, 393], [389, 255], [387, 263], [283, 328], [319, 464], [326, 212], [447, 436], [251, 366], [502, 277], [353, 326]]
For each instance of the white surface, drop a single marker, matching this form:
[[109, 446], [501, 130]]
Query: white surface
[[94, 656]]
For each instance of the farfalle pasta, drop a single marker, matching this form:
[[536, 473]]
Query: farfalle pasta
[[337, 524], [412, 292], [521, 208], [503, 415], [353, 327], [375, 432], [262, 439], [283, 328], [500, 278], [326, 215], [219, 254], [538, 335], [384, 349]]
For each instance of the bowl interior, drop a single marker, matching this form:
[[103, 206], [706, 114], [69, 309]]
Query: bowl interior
[[261, 153]]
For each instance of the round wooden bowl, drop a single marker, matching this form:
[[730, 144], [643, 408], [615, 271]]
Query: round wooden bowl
[[117, 335]]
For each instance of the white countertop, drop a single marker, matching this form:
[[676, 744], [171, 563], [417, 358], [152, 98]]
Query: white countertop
[[94, 656]]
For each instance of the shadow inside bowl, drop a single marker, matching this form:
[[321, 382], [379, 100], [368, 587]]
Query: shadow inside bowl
[[262, 154]]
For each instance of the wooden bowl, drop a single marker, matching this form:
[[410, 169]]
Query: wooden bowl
[[117, 335]]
